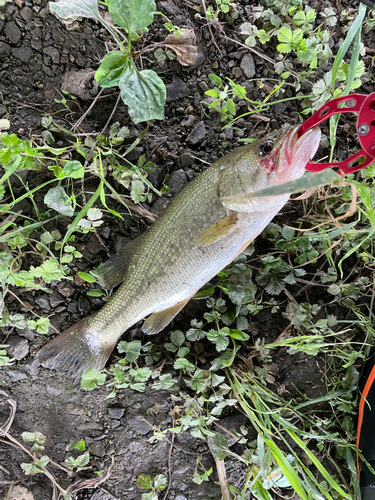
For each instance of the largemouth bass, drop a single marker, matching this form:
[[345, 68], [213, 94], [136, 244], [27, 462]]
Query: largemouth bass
[[201, 231]]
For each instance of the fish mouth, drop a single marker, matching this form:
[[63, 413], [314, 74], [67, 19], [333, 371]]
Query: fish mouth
[[296, 151]]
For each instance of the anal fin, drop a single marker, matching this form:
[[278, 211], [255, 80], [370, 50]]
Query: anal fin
[[160, 319], [114, 270], [242, 249], [218, 230]]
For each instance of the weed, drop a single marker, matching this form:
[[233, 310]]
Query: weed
[[40, 463], [4, 360], [224, 95], [52, 251], [298, 33], [142, 91], [158, 483]]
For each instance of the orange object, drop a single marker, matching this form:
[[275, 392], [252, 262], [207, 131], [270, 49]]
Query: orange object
[[366, 429]]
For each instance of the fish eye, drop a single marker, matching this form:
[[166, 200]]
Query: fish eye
[[265, 148]]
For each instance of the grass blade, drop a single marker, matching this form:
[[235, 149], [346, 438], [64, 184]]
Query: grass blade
[[330, 480], [287, 469], [308, 181], [348, 40]]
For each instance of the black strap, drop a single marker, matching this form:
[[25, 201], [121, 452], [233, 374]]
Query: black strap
[[370, 3]]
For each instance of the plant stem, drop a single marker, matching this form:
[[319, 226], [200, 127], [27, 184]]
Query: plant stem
[[221, 472]]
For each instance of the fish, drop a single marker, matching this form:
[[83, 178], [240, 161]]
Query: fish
[[207, 225]]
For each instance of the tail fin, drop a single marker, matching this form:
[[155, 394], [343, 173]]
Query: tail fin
[[75, 350]]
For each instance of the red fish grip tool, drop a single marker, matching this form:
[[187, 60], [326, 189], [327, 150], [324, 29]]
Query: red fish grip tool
[[362, 104]]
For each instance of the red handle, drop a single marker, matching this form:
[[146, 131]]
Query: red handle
[[355, 103]]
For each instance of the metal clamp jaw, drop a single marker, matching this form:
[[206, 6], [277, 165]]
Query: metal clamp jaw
[[356, 103]]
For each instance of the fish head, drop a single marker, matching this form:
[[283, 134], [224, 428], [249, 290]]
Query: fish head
[[279, 157], [282, 155]]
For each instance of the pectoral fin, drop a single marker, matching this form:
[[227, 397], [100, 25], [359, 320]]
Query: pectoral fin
[[160, 319], [114, 270], [218, 230]]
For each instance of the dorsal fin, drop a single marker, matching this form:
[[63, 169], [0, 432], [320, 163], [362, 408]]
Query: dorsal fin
[[111, 272]]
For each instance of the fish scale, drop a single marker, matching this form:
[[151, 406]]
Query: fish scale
[[202, 230]]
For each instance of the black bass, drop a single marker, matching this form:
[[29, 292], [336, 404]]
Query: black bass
[[201, 231]]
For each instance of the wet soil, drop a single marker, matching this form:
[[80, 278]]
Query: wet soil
[[37, 51]]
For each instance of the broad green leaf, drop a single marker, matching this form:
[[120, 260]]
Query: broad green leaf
[[213, 93], [10, 140], [199, 478], [144, 93], [79, 445], [48, 271], [182, 352], [94, 213], [17, 241], [43, 461], [32, 437], [73, 169], [219, 338], [275, 21], [160, 482], [299, 18], [132, 349], [178, 338], [144, 482], [218, 446], [231, 107], [215, 79], [41, 326], [87, 277], [132, 14], [111, 69], [289, 39], [310, 16], [37, 448], [57, 199], [247, 29], [46, 238], [29, 468], [71, 9], [183, 364], [263, 36], [239, 335], [171, 347], [150, 496], [95, 293], [91, 378], [79, 462], [141, 374], [6, 258], [138, 387]]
